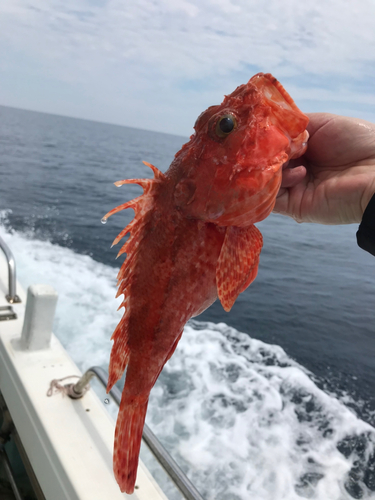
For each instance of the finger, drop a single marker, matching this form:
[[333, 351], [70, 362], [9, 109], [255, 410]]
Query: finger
[[293, 176], [282, 202], [281, 192], [289, 200]]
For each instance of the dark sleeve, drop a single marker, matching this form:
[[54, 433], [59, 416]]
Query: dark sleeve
[[366, 230]]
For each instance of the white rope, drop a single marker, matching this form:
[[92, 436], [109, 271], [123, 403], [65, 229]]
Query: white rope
[[56, 387]]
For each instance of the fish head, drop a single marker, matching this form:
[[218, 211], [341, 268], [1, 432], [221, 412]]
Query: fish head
[[229, 173]]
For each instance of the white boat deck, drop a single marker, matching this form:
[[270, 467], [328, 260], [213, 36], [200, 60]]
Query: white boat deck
[[69, 442]]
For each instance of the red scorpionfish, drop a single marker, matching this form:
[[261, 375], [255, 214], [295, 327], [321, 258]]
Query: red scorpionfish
[[193, 239]]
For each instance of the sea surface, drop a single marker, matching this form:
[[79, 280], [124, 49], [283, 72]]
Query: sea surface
[[274, 400]]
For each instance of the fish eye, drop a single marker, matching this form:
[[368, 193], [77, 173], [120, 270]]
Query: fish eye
[[225, 125]]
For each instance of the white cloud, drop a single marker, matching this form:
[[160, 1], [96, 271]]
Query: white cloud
[[136, 61]]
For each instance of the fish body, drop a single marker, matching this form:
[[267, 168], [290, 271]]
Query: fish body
[[193, 239]]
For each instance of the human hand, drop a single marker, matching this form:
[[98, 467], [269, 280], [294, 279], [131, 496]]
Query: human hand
[[334, 180]]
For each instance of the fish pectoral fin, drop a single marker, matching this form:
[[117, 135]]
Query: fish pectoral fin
[[238, 261]]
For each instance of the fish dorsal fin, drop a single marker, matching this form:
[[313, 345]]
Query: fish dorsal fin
[[142, 206], [237, 265]]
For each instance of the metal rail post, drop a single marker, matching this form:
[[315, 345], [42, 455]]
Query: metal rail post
[[12, 297]]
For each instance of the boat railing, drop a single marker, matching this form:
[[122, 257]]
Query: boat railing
[[170, 466], [12, 296]]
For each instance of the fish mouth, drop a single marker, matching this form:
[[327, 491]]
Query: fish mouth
[[272, 89], [285, 114], [280, 89], [284, 111]]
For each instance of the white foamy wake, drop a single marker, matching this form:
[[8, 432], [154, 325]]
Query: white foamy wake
[[248, 422], [243, 419]]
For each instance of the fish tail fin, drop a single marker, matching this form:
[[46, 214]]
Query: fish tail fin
[[128, 437]]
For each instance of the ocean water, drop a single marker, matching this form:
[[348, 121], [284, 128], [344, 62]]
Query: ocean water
[[274, 400]]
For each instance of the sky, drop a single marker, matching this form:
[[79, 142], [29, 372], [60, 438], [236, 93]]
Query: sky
[[157, 64]]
